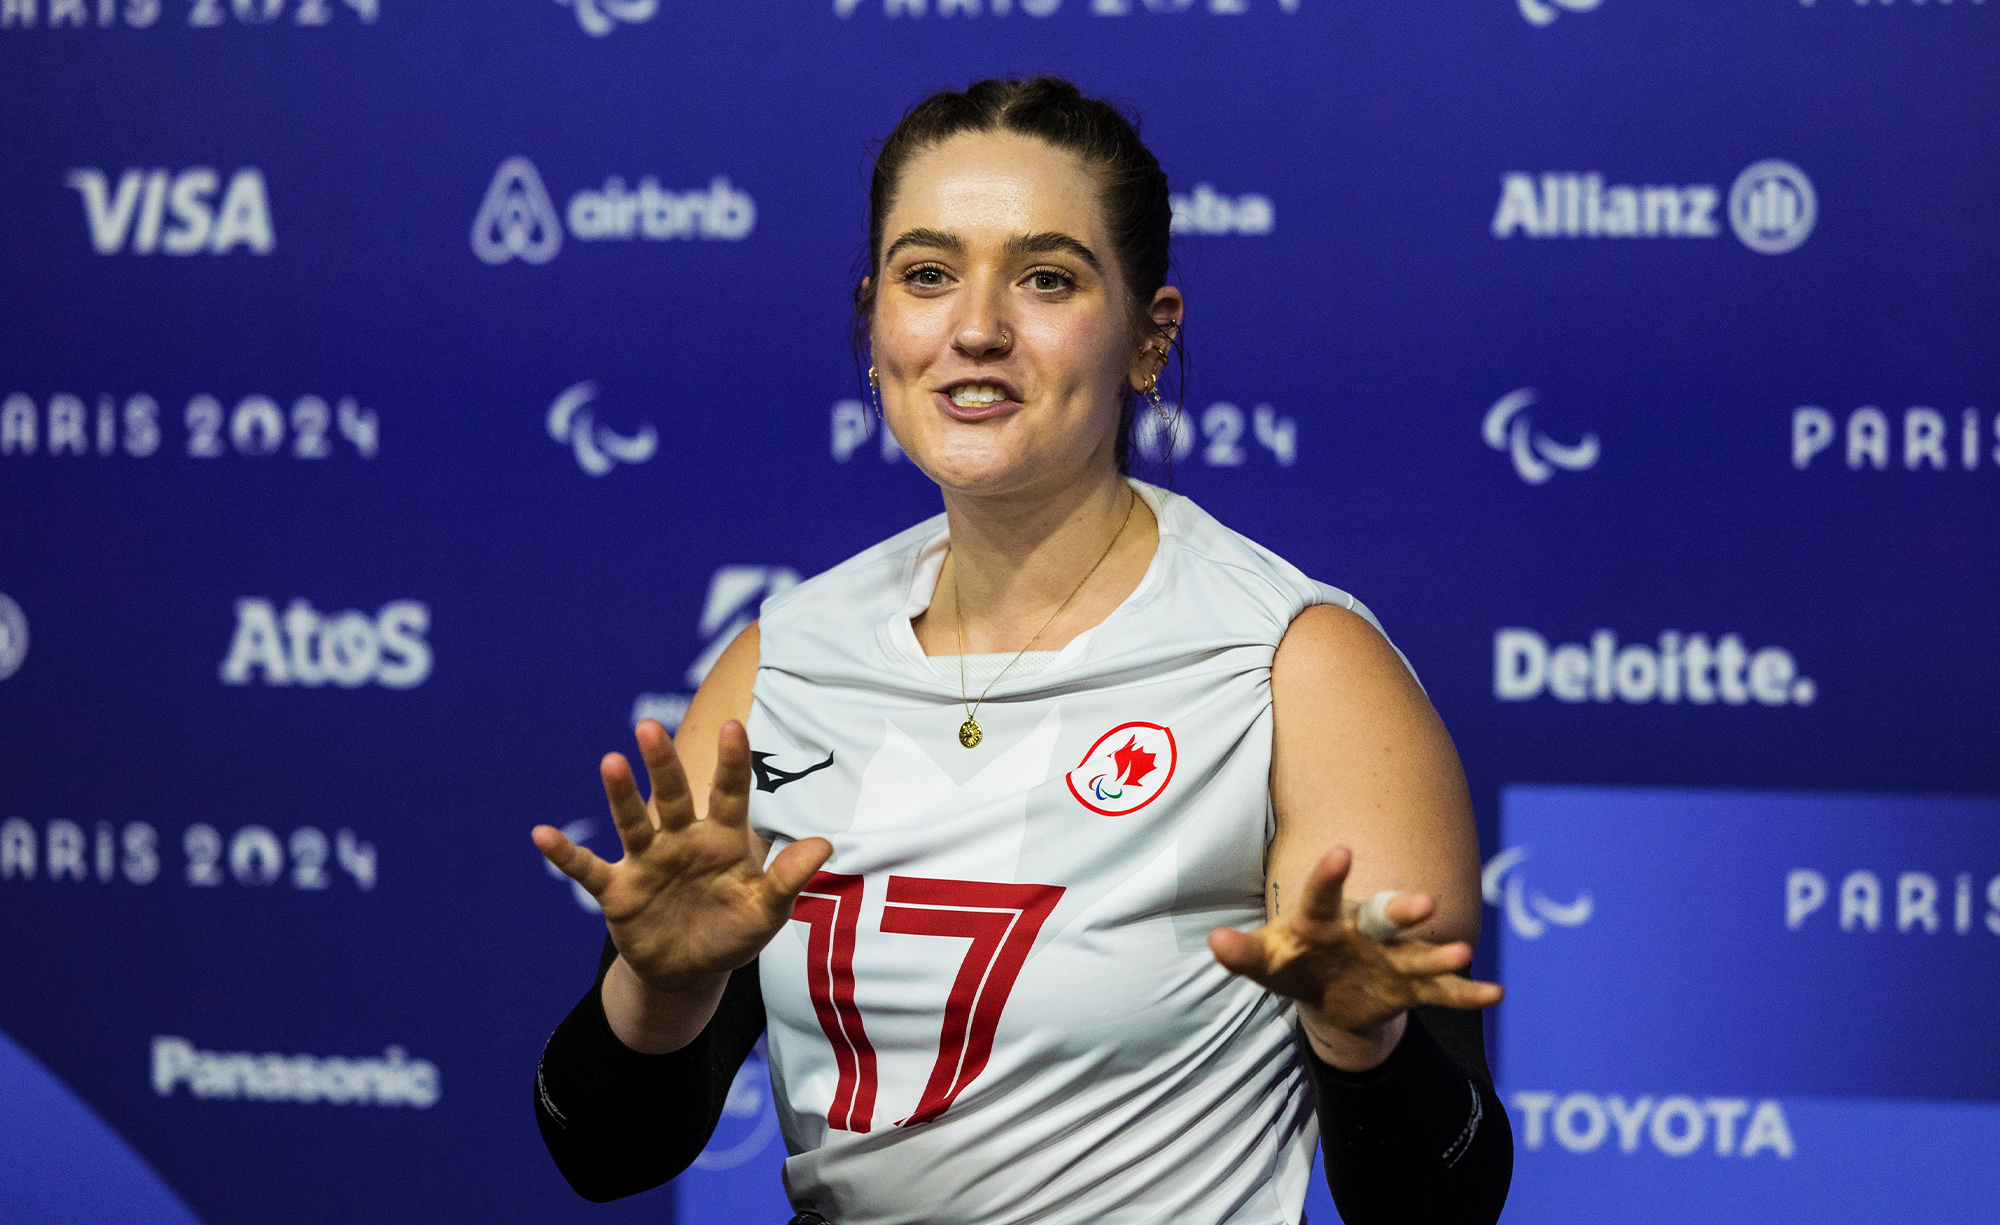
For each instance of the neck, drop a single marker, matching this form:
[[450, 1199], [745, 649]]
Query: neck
[[1014, 560]]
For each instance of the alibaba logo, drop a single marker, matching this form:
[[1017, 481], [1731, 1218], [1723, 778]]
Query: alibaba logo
[[1529, 914], [1536, 456]]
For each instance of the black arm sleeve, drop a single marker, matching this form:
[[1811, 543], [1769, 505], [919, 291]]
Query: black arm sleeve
[[618, 1122], [1422, 1136]]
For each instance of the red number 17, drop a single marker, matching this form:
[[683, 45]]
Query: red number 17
[[1000, 919]]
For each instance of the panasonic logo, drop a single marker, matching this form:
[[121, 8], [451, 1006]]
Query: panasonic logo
[[394, 1079]]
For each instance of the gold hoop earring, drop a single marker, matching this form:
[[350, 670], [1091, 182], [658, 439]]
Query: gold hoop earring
[[875, 386]]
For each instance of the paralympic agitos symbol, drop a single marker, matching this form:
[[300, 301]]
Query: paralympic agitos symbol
[[1126, 769]]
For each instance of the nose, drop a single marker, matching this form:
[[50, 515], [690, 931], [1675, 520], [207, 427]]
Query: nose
[[979, 331]]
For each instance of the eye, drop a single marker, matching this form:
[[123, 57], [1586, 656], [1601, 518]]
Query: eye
[[1051, 280], [924, 276]]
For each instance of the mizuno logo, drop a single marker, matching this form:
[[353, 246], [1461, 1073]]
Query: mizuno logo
[[770, 778]]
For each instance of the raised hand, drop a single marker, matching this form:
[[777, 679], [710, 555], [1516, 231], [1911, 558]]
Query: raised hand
[[691, 899], [1352, 990]]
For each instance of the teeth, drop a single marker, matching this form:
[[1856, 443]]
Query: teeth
[[977, 396]]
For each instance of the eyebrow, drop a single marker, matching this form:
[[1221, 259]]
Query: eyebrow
[[1047, 242]]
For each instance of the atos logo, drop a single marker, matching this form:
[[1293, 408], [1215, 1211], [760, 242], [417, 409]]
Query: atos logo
[[348, 649], [599, 17], [13, 636], [736, 595], [597, 449], [1536, 456], [1542, 12], [517, 219], [1529, 914], [1126, 769], [175, 213]]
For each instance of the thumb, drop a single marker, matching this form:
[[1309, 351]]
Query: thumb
[[793, 868], [576, 862], [1239, 952]]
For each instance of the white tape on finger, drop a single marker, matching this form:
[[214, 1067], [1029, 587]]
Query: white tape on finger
[[1374, 922]]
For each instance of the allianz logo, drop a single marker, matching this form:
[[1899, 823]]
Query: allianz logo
[[1925, 442], [175, 213], [1920, 902], [348, 649], [393, 1079], [1502, 883], [1771, 207], [13, 636], [517, 219], [597, 448], [599, 17], [1536, 456], [1687, 667], [1678, 1125], [142, 14], [1207, 211]]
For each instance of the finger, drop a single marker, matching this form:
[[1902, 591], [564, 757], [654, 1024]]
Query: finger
[[792, 869], [1410, 909], [1324, 884], [729, 795], [1452, 991], [628, 811], [1420, 960], [1240, 953], [671, 798], [576, 862]]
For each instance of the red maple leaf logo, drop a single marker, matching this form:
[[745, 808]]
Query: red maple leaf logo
[[1133, 762]]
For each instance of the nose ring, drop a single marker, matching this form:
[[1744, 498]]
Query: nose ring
[[1006, 340]]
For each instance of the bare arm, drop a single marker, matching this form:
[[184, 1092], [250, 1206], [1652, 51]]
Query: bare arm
[[1369, 797]]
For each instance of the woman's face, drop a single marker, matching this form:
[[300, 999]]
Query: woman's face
[[1000, 333]]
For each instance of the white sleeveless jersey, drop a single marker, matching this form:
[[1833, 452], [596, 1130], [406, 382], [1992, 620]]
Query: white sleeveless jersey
[[996, 1003]]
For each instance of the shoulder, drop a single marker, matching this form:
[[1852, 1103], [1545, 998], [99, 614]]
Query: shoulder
[[868, 574], [1339, 653], [1310, 620]]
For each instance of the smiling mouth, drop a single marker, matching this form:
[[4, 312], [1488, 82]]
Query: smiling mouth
[[978, 395]]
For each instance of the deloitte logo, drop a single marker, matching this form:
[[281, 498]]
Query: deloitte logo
[[517, 219], [1686, 666], [1771, 207], [13, 637]]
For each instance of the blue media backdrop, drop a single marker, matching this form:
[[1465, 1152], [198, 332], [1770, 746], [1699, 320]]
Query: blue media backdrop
[[400, 399]]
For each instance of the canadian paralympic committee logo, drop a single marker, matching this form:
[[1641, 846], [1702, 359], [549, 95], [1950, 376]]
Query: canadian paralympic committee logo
[[1536, 456], [13, 636], [1126, 769], [516, 219], [1541, 13], [599, 17], [1529, 914], [597, 449]]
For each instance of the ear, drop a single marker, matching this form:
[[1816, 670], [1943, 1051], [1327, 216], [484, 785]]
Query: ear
[[1165, 311]]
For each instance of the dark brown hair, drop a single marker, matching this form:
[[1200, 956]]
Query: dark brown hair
[[1132, 188]]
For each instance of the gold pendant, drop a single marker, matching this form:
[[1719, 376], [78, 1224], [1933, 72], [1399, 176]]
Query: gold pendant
[[969, 734]]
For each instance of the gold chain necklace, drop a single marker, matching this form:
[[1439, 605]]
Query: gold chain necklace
[[969, 734]]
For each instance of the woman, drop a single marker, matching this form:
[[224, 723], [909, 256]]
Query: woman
[[997, 987]]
